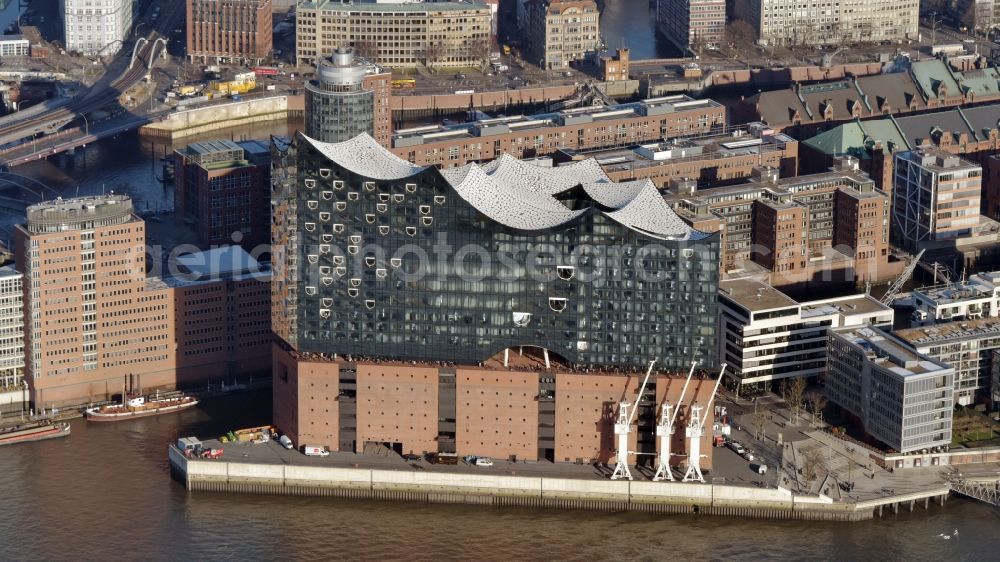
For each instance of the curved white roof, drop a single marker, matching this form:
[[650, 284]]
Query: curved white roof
[[522, 195], [364, 156]]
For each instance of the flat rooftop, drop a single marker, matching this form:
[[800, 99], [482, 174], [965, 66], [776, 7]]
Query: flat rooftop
[[848, 306], [416, 136], [889, 354], [712, 146], [754, 295], [976, 287], [950, 331]]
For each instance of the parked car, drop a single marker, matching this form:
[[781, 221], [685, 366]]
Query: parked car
[[748, 455], [737, 448], [484, 461], [759, 468], [410, 457]]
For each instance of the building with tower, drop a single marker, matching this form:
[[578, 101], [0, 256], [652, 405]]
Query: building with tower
[[349, 96], [407, 298]]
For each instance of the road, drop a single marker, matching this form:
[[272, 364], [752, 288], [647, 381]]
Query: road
[[117, 78]]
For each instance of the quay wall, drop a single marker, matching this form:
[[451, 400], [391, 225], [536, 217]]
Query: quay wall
[[503, 490], [208, 118]]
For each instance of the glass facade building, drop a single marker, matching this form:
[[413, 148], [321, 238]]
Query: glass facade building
[[388, 260], [338, 105]]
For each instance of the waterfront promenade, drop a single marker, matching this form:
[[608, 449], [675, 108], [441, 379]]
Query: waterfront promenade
[[269, 469]]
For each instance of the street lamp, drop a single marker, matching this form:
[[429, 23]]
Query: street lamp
[[86, 124]]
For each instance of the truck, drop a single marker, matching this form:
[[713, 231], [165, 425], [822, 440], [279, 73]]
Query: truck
[[188, 445], [315, 451]]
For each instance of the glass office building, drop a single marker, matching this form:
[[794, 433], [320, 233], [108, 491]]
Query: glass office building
[[338, 105], [383, 259]]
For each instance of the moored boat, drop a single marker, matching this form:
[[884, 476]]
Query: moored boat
[[33, 431], [141, 407]]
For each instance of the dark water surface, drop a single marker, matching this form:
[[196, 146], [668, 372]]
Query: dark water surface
[[105, 492]]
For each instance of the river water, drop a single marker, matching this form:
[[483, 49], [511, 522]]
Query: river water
[[105, 492]]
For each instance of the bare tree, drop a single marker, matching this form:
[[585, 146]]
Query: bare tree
[[793, 391], [433, 53], [368, 49], [740, 35], [811, 462], [817, 401]]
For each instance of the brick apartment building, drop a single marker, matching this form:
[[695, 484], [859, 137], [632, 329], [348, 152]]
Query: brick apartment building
[[229, 30], [795, 231], [95, 322], [222, 187], [618, 125]]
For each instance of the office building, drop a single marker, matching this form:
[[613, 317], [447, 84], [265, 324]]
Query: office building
[[95, 28], [766, 336], [11, 328], [972, 299], [220, 31], [95, 323], [349, 96], [841, 22], [900, 397], [14, 46], [618, 125], [561, 32], [936, 197], [692, 25], [981, 16], [819, 228], [222, 188], [361, 315], [395, 34], [970, 346]]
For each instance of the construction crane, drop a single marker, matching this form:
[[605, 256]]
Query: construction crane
[[665, 431], [624, 427], [695, 431], [902, 279]]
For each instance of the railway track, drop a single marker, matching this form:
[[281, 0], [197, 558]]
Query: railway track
[[89, 101]]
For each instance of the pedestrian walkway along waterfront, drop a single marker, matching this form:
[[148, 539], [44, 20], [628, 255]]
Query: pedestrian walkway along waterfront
[[268, 469]]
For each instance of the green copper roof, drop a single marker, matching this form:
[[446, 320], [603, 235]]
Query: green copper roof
[[930, 75]]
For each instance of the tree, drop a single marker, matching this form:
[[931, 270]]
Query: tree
[[740, 35], [817, 401], [368, 49], [793, 391], [810, 465]]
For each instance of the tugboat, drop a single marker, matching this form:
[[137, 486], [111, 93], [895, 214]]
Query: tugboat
[[141, 407], [33, 431]]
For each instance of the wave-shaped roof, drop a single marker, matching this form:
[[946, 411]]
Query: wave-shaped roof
[[364, 156], [522, 195]]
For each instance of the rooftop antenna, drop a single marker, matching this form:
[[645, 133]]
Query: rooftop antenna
[[695, 431], [624, 427], [665, 431]]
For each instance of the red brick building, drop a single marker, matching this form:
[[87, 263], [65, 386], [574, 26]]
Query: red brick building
[[229, 30]]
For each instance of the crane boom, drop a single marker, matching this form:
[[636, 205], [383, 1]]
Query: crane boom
[[635, 408], [902, 279]]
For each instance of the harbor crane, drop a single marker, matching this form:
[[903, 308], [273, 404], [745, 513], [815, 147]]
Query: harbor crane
[[665, 431], [902, 279], [626, 414], [695, 431]]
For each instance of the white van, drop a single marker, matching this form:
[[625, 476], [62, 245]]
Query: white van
[[315, 451]]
